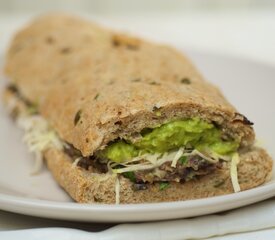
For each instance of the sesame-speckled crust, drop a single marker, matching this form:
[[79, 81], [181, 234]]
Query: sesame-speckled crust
[[94, 85]]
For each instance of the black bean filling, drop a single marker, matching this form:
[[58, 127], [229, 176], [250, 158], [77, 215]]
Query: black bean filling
[[194, 167]]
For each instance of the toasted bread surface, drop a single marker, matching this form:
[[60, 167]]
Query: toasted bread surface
[[94, 85]]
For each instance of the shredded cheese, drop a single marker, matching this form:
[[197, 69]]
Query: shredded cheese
[[234, 172], [151, 161], [76, 161], [117, 190], [177, 157], [209, 159], [39, 137]]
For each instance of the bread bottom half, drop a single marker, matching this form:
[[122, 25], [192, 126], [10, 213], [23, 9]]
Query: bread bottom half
[[85, 186]]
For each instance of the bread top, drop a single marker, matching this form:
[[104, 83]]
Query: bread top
[[94, 85]]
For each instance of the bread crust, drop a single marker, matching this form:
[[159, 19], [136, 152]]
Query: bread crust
[[88, 187], [94, 85]]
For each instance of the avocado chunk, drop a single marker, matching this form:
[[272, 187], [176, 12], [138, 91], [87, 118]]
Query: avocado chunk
[[192, 132], [120, 151]]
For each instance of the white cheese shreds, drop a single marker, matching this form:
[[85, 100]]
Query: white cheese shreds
[[177, 157], [117, 190], [153, 158], [136, 167], [39, 137], [151, 161], [147, 162], [76, 161], [234, 172], [211, 159]]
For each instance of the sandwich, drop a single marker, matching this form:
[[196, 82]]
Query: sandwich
[[118, 119]]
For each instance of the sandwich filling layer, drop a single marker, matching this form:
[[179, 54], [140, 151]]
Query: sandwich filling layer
[[177, 151]]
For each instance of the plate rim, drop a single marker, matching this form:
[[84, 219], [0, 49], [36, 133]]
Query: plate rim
[[264, 191]]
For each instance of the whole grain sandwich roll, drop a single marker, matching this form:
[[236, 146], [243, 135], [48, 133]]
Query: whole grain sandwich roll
[[120, 119]]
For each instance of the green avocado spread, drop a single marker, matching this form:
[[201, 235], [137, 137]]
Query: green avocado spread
[[193, 132]]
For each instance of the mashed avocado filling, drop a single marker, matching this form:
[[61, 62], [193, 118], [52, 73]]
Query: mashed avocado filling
[[192, 133]]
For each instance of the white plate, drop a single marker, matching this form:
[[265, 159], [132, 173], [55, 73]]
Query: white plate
[[248, 85]]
